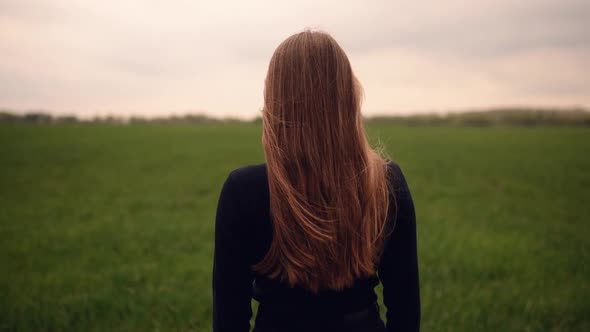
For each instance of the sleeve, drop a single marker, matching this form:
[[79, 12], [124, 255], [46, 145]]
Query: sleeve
[[398, 266], [232, 277]]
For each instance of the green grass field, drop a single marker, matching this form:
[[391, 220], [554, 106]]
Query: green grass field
[[110, 228]]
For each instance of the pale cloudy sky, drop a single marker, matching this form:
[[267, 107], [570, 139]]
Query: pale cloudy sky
[[155, 57]]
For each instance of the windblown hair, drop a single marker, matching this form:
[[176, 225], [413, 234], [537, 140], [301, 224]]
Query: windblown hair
[[329, 193]]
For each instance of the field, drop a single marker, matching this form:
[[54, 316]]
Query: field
[[110, 227]]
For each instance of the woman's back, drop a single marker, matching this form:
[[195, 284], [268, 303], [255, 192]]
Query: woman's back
[[243, 235]]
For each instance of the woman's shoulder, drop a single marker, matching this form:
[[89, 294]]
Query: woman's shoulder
[[399, 189], [396, 175], [250, 184], [248, 174]]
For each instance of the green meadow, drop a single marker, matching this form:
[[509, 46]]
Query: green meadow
[[109, 227]]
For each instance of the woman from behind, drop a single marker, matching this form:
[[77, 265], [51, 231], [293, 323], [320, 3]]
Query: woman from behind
[[312, 231]]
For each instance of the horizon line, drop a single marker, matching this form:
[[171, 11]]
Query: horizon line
[[204, 113]]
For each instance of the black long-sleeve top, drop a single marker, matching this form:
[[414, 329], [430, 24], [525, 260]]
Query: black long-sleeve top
[[243, 232]]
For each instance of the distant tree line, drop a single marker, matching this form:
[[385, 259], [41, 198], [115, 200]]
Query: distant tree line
[[491, 117], [44, 117], [521, 117]]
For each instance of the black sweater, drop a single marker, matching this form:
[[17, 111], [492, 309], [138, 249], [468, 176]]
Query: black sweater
[[243, 232]]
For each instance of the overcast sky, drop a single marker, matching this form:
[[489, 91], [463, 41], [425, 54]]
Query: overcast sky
[[155, 57]]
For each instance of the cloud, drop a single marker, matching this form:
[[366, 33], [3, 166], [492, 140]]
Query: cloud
[[415, 81]]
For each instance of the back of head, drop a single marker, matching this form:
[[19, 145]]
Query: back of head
[[329, 194]]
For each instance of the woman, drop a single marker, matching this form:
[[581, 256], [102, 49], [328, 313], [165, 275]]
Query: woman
[[312, 231]]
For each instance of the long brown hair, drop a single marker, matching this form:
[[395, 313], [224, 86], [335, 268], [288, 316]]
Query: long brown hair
[[329, 194]]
